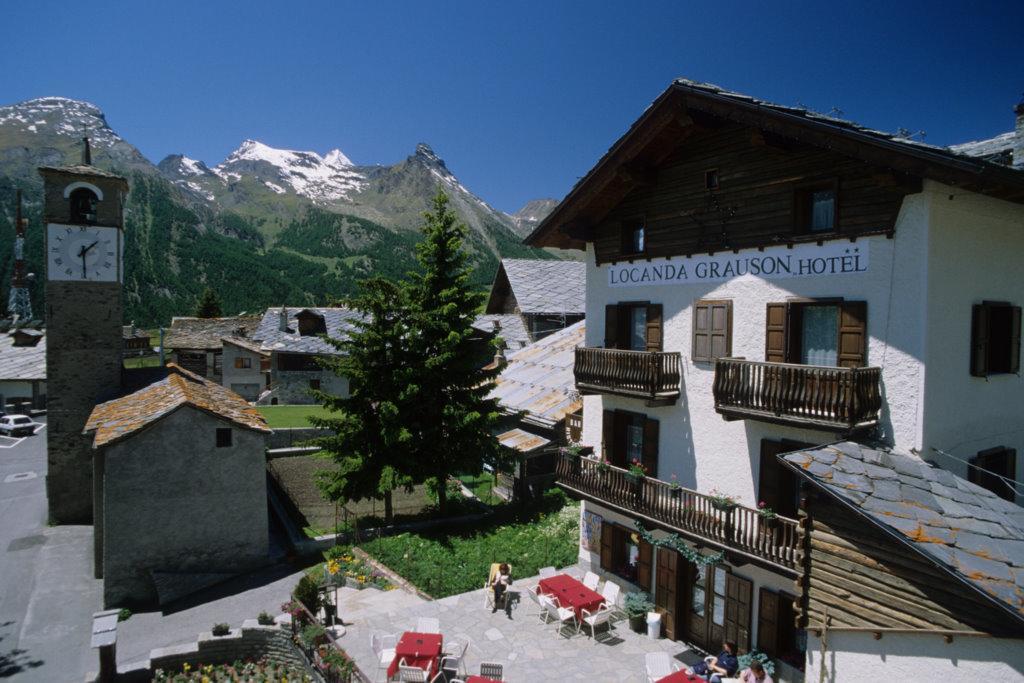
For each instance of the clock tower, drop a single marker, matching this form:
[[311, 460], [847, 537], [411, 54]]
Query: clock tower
[[83, 213]]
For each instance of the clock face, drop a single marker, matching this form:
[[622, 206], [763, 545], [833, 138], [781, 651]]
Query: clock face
[[84, 253]]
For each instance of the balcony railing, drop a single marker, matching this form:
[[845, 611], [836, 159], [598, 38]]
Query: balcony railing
[[848, 399], [643, 374], [739, 530]]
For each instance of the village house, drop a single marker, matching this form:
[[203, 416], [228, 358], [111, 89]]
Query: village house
[[136, 342], [22, 367], [532, 298], [246, 367], [763, 280], [537, 391], [294, 340], [197, 345], [179, 488]]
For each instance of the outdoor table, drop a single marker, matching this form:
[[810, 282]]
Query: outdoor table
[[481, 679], [421, 650], [682, 677], [571, 593]]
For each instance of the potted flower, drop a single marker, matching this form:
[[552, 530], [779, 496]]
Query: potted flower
[[636, 471], [767, 515], [674, 489], [636, 606], [721, 501]]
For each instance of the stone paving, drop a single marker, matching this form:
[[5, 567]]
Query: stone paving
[[518, 638]]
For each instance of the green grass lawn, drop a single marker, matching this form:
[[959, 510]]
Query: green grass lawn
[[142, 361], [455, 559], [481, 486], [278, 417]]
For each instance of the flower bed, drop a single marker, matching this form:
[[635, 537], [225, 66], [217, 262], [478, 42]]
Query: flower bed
[[264, 669], [358, 574], [448, 561]]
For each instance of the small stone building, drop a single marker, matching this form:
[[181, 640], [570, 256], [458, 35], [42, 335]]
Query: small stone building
[[196, 343], [246, 367], [180, 497], [22, 368]]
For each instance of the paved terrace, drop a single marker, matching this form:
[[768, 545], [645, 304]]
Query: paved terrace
[[518, 639]]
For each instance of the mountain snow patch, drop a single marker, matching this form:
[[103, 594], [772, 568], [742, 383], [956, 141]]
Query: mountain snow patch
[[327, 178]]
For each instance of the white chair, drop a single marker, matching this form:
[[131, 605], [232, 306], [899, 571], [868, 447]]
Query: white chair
[[590, 580], [602, 615], [454, 654], [547, 572], [492, 670], [659, 665], [610, 593], [383, 645], [414, 674], [428, 625], [561, 614], [546, 602]]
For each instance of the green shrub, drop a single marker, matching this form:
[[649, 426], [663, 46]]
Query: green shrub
[[307, 592], [744, 661], [637, 604], [124, 614], [221, 629], [312, 635], [265, 619]]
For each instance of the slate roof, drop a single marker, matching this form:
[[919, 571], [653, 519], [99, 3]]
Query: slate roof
[[510, 328], [22, 363], [547, 286], [82, 169], [339, 323], [247, 344], [116, 419], [955, 524], [131, 332], [206, 333], [998, 149], [539, 378]]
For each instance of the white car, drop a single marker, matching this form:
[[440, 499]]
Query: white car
[[17, 425]]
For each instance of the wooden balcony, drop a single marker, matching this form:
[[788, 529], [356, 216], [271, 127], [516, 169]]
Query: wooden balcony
[[741, 532], [843, 399], [649, 375]]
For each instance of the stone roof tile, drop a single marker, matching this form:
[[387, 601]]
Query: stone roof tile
[[338, 321], [207, 333], [547, 285]]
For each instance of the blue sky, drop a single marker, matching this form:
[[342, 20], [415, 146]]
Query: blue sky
[[520, 99]]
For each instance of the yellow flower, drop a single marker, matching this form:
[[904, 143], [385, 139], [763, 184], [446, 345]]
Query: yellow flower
[[333, 567], [186, 668]]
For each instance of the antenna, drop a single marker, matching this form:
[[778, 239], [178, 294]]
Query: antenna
[[18, 302]]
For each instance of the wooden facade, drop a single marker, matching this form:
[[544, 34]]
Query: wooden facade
[[867, 580]]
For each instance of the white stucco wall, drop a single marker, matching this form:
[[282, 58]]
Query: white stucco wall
[[237, 378], [974, 254], [855, 657], [696, 444]]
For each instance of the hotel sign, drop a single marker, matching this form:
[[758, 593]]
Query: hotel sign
[[774, 263]]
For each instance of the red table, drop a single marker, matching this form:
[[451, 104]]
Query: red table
[[681, 677], [417, 649], [571, 593], [481, 679]]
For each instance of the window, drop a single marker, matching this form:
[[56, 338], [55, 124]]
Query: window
[[314, 384], [988, 466], [712, 330], [625, 554], [995, 338], [633, 326], [711, 179], [633, 237], [83, 206], [631, 436], [816, 207], [243, 363], [829, 333], [223, 437], [297, 362]]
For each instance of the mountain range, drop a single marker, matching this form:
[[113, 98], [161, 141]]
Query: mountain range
[[264, 227]]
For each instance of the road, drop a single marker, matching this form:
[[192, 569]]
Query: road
[[47, 593]]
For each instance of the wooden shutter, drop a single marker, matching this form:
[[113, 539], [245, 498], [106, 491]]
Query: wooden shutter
[[608, 434], [738, 598], [979, 340], [643, 565], [700, 347], [775, 333], [654, 327], [650, 461], [607, 546], [611, 326], [617, 454], [768, 489], [1015, 339], [853, 321], [768, 622]]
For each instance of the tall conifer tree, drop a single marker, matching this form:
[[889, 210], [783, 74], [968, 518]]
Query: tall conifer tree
[[454, 419], [209, 305], [371, 442]]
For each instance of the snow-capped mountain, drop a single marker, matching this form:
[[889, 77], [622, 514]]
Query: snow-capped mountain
[[532, 213]]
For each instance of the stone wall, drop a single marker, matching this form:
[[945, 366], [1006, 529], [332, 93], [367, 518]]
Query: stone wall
[[290, 437], [173, 502], [252, 641], [292, 387]]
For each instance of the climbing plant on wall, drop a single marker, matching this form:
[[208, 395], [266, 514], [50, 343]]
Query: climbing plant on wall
[[677, 544]]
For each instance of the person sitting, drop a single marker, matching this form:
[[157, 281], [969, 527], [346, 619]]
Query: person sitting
[[724, 665], [500, 583], [755, 673]]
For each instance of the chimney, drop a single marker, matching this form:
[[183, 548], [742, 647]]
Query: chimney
[[1018, 138], [499, 355], [86, 152], [282, 323]]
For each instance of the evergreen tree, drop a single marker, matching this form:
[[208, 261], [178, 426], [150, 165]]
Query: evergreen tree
[[209, 305], [370, 446], [454, 419]]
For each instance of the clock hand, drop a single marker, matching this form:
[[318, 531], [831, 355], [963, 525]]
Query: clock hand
[[86, 249]]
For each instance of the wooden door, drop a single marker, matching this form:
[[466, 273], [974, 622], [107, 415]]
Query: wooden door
[[698, 606], [666, 592]]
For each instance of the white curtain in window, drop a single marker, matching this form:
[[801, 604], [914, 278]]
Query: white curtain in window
[[823, 208], [638, 328], [820, 335]]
